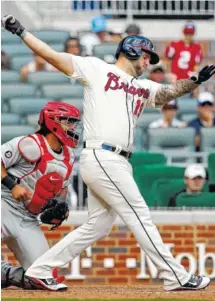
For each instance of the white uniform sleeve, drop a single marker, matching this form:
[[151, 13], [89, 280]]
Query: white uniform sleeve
[[86, 68], [10, 154], [152, 87]]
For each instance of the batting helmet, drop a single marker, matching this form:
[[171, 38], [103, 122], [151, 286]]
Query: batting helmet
[[61, 119], [133, 46]]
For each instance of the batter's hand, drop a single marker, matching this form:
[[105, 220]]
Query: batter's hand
[[11, 24], [204, 74], [21, 193]]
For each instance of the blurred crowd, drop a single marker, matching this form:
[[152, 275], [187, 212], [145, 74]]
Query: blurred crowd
[[181, 59]]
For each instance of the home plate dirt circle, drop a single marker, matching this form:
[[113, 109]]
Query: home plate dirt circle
[[113, 292]]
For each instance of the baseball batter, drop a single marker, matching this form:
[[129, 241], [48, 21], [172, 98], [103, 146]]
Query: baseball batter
[[35, 170], [114, 98]]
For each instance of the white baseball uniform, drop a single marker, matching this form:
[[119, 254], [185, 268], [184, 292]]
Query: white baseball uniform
[[20, 228], [113, 101]]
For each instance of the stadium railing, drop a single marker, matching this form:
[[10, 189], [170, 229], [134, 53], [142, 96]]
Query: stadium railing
[[116, 8]]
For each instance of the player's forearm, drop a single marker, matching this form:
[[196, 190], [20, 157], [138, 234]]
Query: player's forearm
[[168, 92], [58, 60]]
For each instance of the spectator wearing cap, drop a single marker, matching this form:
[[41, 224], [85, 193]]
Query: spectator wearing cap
[[132, 30], [98, 35], [168, 119], [184, 56], [158, 74], [194, 179], [115, 35], [206, 118]]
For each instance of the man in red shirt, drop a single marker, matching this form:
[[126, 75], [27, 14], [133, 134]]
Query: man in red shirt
[[185, 55]]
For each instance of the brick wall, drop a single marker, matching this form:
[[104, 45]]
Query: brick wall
[[121, 245]]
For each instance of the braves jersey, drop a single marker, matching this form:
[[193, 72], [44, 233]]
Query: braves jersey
[[113, 101], [30, 173], [183, 58]]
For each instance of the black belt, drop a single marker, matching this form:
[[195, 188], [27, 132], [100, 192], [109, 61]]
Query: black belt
[[105, 146]]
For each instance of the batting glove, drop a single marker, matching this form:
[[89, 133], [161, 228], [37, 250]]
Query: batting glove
[[11, 24], [204, 74]]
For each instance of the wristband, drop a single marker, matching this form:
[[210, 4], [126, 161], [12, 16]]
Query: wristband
[[9, 182], [22, 35]]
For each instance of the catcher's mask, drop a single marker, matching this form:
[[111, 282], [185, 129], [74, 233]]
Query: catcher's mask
[[62, 120], [133, 46]]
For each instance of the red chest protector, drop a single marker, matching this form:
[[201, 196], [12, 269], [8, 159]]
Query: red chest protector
[[47, 178]]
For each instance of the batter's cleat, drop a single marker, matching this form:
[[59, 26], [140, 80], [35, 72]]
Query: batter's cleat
[[49, 284], [195, 283]]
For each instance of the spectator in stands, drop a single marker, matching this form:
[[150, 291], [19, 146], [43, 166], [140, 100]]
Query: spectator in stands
[[38, 64], [73, 46], [206, 118], [115, 35], [132, 29], [194, 179], [157, 74], [4, 60], [99, 34], [168, 119], [185, 55]]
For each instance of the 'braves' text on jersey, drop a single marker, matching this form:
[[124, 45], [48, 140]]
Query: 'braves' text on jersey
[[113, 101], [183, 58]]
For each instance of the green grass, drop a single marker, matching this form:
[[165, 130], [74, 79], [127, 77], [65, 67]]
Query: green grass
[[72, 299]]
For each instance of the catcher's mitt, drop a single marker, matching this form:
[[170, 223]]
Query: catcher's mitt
[[54, 213]]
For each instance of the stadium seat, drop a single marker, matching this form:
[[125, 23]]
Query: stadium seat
[[77, 102], [146, 175], [166, 188], [17, 62], [51, 36], [187, 105], [208, 139], [188, 117], [105, 51], [144, 158], [145, 119], [57, 46], [9, 76], [10, 118], [8, 38], [45, 77], [16, 49], [17, 90], [32, 119], [139, 139], [62, 91], [151, 110], [205, 199], [211, 167], [28, 105], [9, 132], [172, 142]]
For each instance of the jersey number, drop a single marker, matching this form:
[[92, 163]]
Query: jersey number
[[139, 107], [184, 60]]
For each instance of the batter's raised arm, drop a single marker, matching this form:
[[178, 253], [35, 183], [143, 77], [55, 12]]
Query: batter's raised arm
[[168, 92], [61, 61]]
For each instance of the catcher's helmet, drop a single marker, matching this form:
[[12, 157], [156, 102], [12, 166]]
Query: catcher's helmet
[[133, 46], [61, 119]]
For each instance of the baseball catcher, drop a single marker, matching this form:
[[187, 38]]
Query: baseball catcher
[[35, 173]]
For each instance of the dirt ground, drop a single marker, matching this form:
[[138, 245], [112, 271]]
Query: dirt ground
[[114, 292]]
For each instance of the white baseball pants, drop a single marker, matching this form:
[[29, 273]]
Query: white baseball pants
[[112, 190]]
